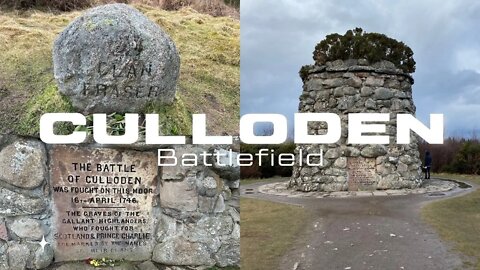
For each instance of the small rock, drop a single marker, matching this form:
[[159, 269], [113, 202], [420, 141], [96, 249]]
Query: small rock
[[23, 163], [373, 151], [180, 195], [28, 228], [43, 257], [18, 256], [15, 204], [331, 83], [373, 81], [147, 265], [3, 231], [383, 93], [114, 59], [228, 255], [207, 186], [223, 168], [179, 251], [332, 153]]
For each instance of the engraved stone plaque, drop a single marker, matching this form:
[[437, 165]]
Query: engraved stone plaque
[[361, 173], [102, 203]]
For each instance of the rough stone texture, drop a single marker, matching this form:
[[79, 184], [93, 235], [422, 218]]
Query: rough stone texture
[[16, 204], [3, 255], [28, 228], [343, 87], [227, 255], [180, 195], [114, 59], [43, 257], [18, 256], [147, 265], [23, 164], [223, 170], [179, 251], [3, 231], [195, 211]]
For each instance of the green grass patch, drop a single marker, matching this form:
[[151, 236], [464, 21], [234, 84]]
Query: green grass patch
[[174, 119], [457, 220], [47, 101], [268, 230]]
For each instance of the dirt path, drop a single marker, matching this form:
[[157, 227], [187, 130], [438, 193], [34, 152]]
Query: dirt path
[[366, 233]]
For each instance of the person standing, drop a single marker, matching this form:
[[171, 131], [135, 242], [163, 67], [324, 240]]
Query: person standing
[[428, 164]]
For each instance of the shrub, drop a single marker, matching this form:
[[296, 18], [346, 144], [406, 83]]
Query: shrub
[[213, 7], [61, 5], [357, 44], [455, 155], [266, 170]]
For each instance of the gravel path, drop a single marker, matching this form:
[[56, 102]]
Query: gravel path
[[375, 232]]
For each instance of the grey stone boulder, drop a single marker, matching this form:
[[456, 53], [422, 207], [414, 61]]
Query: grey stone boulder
[[222, 165], [180, 251], [42, 257], [228, 255], [147, 265], [207, 186], [18, 256], [383, 93], [114, 59], [179, 195], [28, 228], [23, 163], [3, 255], [373, 151]]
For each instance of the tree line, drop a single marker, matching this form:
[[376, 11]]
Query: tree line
[[455, 155]]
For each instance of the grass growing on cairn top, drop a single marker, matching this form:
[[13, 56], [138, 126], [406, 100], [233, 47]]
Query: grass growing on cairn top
[[209, 82]]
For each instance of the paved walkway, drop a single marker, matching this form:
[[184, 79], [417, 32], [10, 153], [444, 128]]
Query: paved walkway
[[365, 232]]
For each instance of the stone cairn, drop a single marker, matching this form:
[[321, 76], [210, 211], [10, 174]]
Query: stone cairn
[[194, 213], [356, 86], [57, 210]]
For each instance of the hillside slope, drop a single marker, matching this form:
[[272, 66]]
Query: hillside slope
[[209, 81]]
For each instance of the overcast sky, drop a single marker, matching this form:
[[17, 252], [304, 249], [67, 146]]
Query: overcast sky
[[279, 36]]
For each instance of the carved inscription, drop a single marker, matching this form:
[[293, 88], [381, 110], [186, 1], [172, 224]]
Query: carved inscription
[[102, 203], [136, 72], [361, 173]]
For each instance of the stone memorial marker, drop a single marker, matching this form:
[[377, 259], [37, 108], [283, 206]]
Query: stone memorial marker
[[360, 173], [359, 80], [102, 203], [114, 59]]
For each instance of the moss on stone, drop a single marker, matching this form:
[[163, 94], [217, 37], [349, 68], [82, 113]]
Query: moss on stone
[[46, 101]]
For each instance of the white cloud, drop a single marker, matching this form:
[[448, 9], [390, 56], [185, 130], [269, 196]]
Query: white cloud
[[278, 37]]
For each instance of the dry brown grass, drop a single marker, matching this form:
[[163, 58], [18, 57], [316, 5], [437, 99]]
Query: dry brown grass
[[457, 220], [216, 8], [268, 230], [209, 80]]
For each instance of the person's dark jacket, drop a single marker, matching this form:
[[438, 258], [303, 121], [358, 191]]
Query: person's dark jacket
[[428, 160]]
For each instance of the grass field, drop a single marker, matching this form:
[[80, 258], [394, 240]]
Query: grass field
[[268, 230], [457, 220], [209, 80]]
